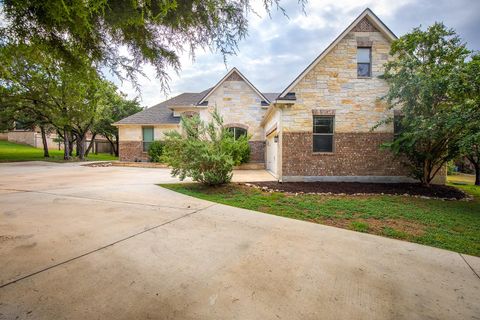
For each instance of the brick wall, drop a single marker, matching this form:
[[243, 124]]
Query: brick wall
[[132, 151], [257, 151], [355, 154]]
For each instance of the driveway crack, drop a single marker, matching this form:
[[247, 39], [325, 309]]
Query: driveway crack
[[104, 247], [468, 264]]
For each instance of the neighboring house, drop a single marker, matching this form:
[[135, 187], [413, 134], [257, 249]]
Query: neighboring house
[[318, 129]]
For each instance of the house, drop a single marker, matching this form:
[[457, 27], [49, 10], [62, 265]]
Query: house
[[319, 128]]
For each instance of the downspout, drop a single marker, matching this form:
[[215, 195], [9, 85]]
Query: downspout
[[280, 146]]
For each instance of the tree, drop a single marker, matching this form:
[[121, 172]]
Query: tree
[[467, 91], [426, 64], [70, 99], [11, 115], [151, 31], [205, 152], [118, 107]]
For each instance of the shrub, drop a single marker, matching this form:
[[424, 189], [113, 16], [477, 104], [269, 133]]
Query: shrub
[[239, 149], [155, 150], [205, 152]]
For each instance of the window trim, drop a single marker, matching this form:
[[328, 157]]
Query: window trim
[[323, 134], [143, 137], [234, 129], [370, 63]]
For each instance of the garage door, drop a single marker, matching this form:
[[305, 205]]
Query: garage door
[[272, 146]]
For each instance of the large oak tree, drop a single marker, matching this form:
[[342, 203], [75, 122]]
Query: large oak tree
[[124, 34]]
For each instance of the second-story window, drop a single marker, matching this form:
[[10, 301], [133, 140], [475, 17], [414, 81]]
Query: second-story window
[[364, 62]]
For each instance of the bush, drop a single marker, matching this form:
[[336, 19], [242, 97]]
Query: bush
[[239, 149], [206, 152], [155, 151]]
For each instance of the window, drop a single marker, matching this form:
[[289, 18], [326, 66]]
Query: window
[[397, 124], [147, 133], [323, 133], [237, 132], [364, 62]]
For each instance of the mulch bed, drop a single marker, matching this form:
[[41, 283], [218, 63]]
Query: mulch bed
[[357, 188]]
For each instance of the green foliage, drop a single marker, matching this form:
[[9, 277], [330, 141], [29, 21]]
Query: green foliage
[[451, 167], [155, 151], [37, 89], [117, 107], [422, 82], [467, 88], [206, 152], [359, 226], [124, 34], [238, 148]]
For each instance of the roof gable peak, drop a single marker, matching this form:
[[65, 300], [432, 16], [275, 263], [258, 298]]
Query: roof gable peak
[[233, 75], [367, 21]]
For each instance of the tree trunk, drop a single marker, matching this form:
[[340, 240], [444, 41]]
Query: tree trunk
[[90, 145], [426, 174], [477, 175], [81, 146], [66, 145], [117, 146], [44, 142], [113, 145], [475, 161], [78, 147], [71, 141]]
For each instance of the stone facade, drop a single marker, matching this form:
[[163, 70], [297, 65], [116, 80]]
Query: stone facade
[[333, 84], [237, 102], [332, 87], [355, 154]]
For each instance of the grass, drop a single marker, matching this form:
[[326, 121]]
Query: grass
[[13, 152], [451, 225]]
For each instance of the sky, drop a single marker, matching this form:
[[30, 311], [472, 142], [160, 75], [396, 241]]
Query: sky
[[278, 48]]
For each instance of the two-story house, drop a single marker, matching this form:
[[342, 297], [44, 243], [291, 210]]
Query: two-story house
[[318, 129]]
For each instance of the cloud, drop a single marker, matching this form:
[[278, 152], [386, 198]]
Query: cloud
[[278, 48]]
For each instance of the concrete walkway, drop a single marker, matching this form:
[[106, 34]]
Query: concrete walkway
[[107, 243]]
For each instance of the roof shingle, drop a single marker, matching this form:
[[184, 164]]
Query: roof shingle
[[161, 114]]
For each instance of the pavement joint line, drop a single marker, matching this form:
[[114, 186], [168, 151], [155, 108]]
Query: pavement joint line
[[96, 199], [104, 247], [468, 264]]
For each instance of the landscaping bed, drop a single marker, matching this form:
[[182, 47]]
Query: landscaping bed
[[357, 188]]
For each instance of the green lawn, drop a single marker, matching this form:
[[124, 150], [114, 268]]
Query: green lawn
[[12, 152], [452, 225]]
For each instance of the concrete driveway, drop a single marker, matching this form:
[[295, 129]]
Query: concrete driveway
[[107, 243]]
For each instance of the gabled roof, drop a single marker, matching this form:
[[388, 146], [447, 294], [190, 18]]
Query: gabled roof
[[234, 70], [160, 113], [367, 14]]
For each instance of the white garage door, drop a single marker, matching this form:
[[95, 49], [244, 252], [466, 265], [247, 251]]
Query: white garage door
[[272, 154]]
